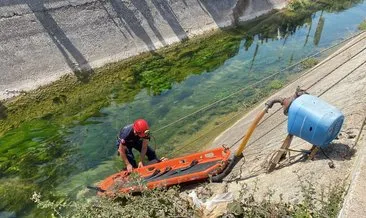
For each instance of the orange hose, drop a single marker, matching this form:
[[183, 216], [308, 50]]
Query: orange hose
[[250, 131]]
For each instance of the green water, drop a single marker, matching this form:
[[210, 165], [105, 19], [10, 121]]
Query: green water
[[58, 152]]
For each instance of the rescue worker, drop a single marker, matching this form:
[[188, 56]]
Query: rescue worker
[[135, 136]]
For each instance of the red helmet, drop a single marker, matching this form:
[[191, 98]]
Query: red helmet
[[141, 128]]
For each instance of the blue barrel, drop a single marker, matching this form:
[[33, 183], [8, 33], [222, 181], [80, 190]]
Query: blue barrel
[[314, 120]]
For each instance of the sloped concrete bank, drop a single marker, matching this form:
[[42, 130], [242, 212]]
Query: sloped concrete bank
[[340, 80], [42, 40]]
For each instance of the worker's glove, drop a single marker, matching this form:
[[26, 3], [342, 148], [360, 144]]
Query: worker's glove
[[129, 168]]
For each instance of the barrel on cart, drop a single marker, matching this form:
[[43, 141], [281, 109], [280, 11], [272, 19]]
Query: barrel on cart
[[314, 120]]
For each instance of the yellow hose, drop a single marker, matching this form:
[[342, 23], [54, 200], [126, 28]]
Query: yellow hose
[[250, 131]]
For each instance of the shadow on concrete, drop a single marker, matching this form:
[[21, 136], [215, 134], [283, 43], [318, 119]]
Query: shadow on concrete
[[10, 2], [168, 14], [115, 23], [334, 152], [131, 22], [146, 12], [3, 113], [215, 8], [81, 69], [239, 10], [293, 159]]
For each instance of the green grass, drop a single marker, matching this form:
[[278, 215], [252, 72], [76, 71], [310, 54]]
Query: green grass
[[362, 25]]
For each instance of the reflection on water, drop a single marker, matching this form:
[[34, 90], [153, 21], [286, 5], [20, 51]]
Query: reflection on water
[[319, 29], [56, 160]]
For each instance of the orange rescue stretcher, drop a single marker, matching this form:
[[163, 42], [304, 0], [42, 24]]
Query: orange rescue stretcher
[[194, 167]]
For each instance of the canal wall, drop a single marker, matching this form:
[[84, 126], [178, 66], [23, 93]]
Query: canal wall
[[41, 40]]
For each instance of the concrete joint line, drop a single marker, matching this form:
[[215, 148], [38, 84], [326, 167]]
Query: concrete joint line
[[355, 173]]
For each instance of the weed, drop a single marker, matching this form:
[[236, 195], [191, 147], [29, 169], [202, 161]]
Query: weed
[[309, 63], [172, 203], [362, 25], [327, 203], [150, 203]]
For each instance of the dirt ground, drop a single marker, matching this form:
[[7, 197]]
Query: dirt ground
[[340, 80]]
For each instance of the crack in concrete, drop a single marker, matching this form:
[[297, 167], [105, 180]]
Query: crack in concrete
[[14, 14]]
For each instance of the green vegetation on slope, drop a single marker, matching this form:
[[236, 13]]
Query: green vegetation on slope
[[172, 203], [362, 25]]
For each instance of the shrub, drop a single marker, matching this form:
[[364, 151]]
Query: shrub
[[309, 63], [149, 203]]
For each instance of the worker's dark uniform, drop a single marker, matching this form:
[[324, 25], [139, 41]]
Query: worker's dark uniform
[[130, 140]]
